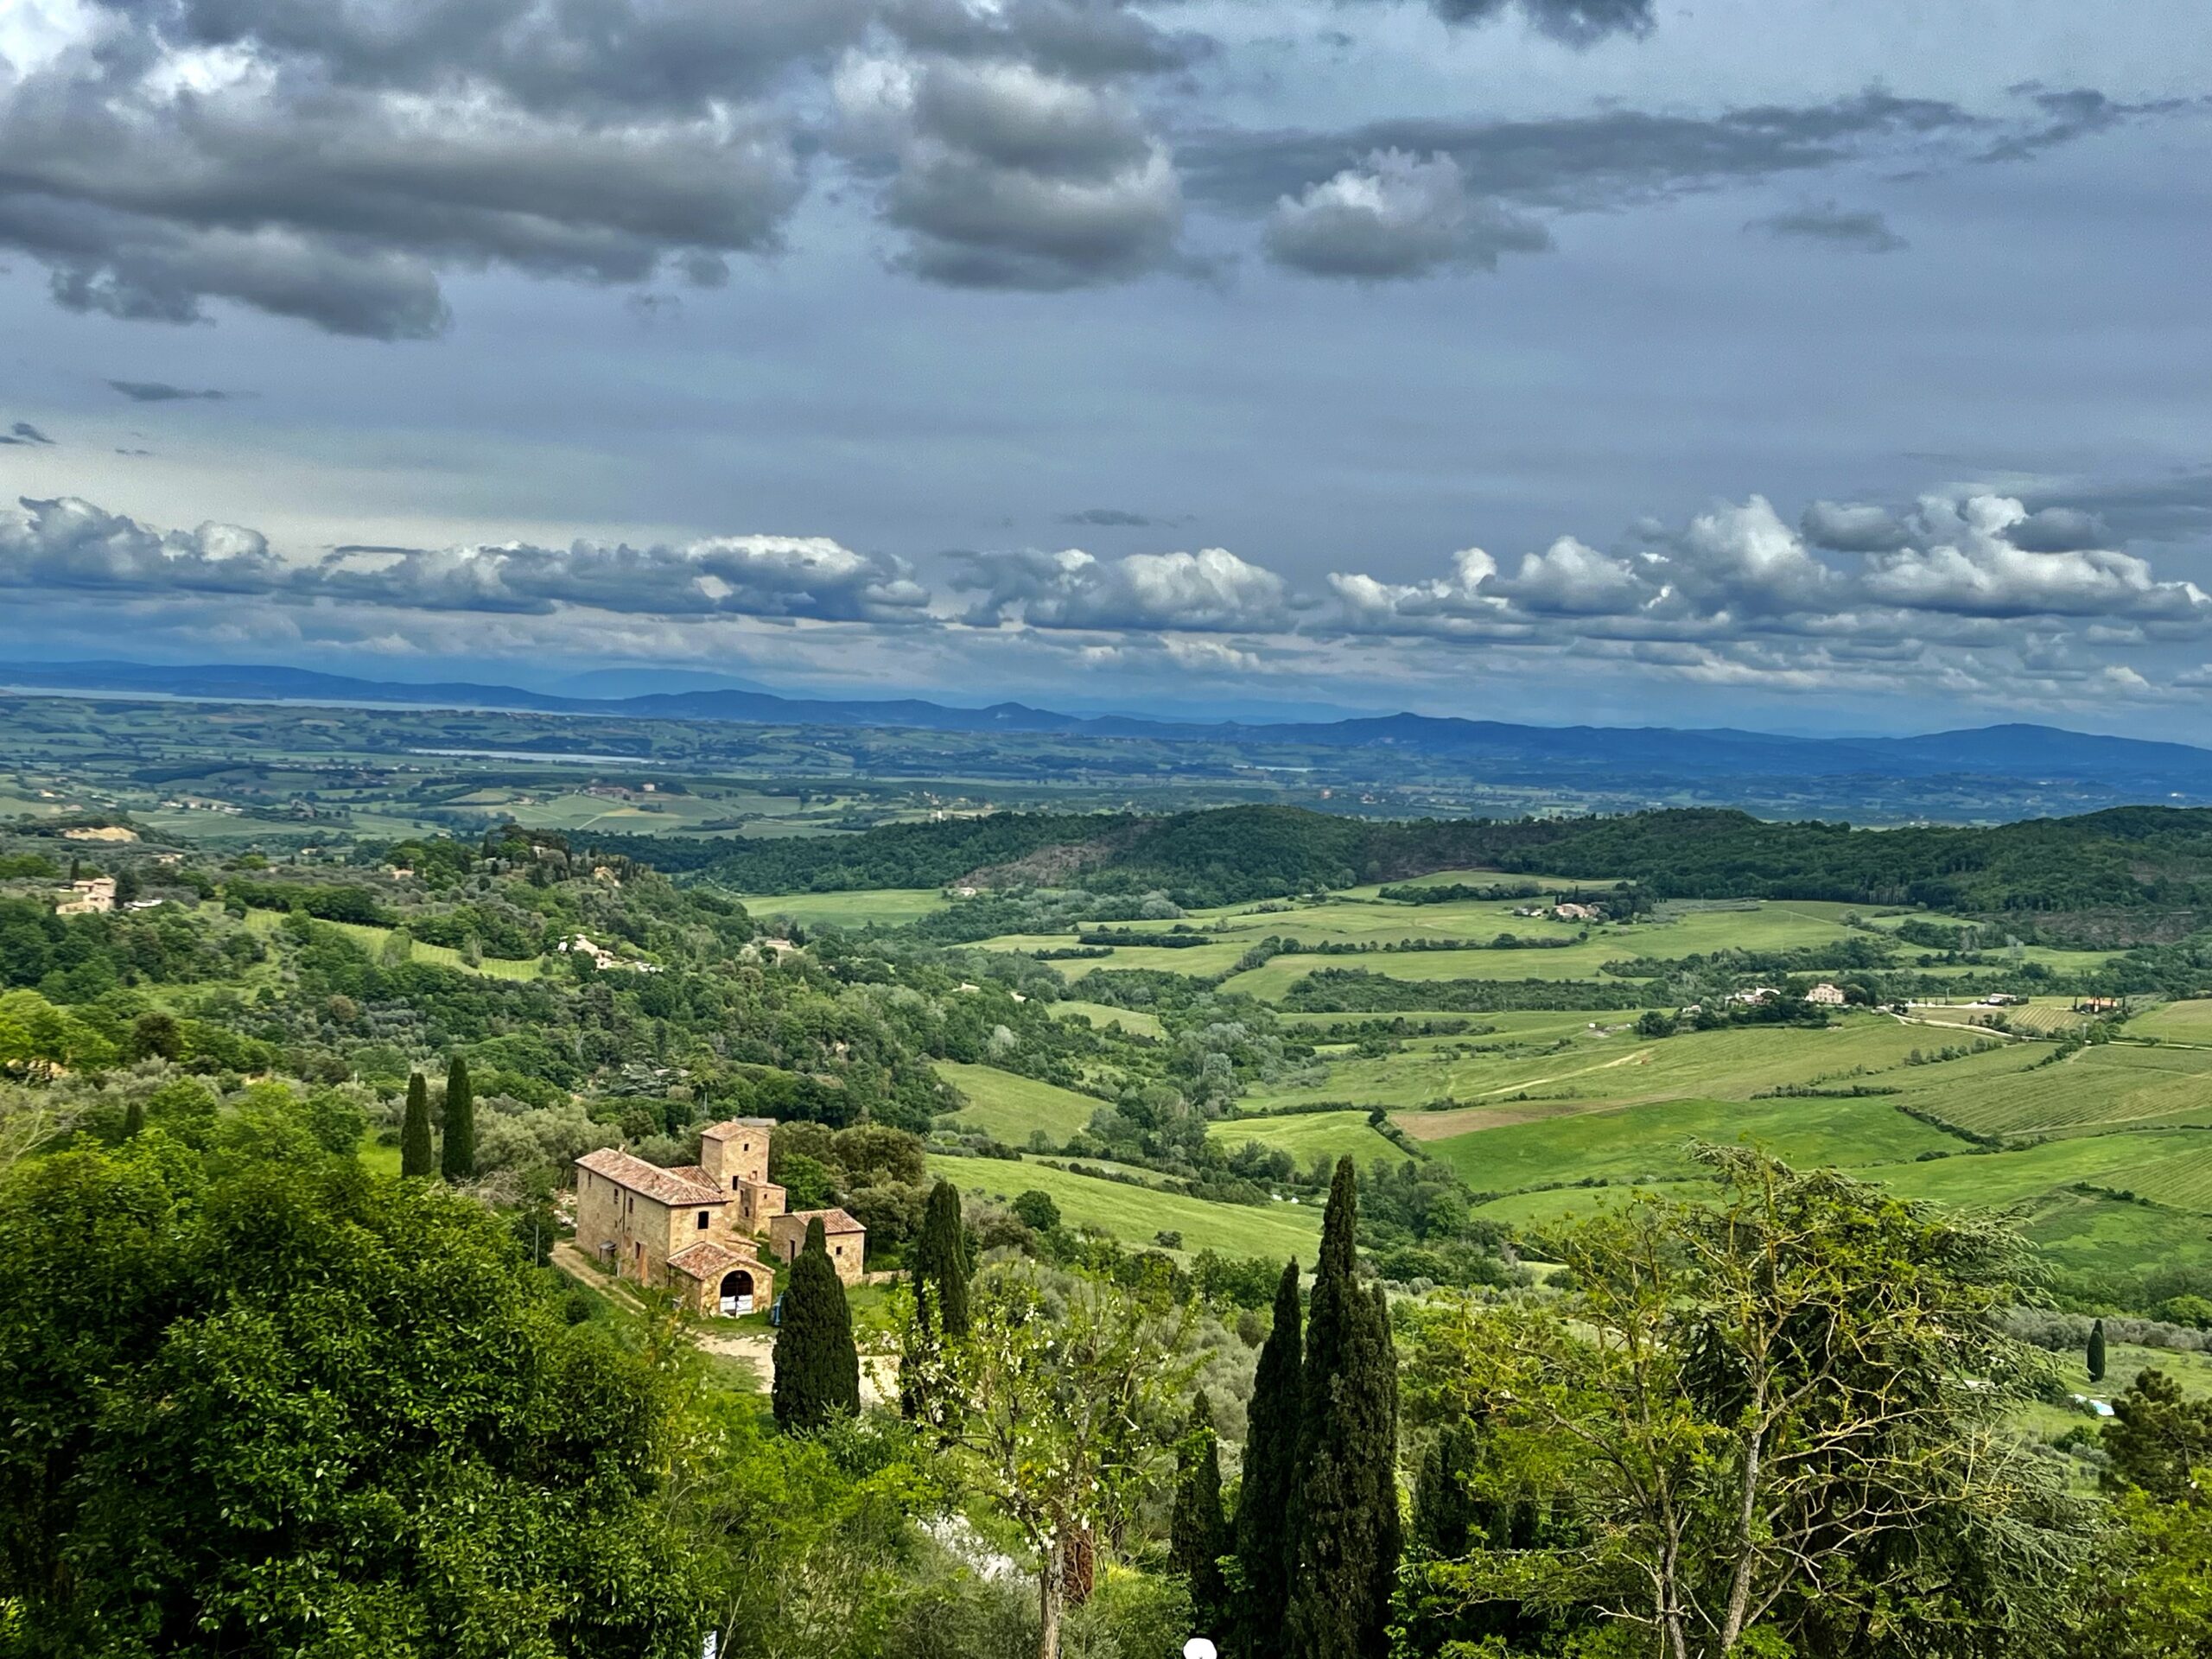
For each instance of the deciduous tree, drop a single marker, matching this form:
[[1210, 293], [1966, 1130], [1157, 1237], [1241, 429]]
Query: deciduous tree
[[1779, 1416]]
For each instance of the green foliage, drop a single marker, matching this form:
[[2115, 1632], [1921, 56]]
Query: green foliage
[[1036, 1211], [1198, 1533], [325, 904], [457, 1138], [1059, 1405], [1264, 1540], [941, 1265], [266, 1406], [417, 1158], [2096, 1356], [1801, 1350], [2157, 1438], [818, 1366], [1345, 1530]]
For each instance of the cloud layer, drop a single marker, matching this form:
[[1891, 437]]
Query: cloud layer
[[339, 162], [1964, 592]]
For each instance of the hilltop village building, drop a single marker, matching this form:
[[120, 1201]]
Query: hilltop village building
[[701, 1229]]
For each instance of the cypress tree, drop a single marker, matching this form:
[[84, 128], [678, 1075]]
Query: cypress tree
[[1197, 1534], [133, 1118], [941, 1264], [417, 1156], [1445, 1518], [1264, 1556], [818, 1366], [1346, 1531], [457, 1152], [2097, 1352]]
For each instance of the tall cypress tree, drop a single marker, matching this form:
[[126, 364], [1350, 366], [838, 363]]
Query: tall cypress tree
[[2097, 1352], [1197, 1536], [457, 1152], [133, 1118], [1345, 1530], [941, 1266], [417, 1156], [1445, 1519], [1270, 1464], [818, 1366]]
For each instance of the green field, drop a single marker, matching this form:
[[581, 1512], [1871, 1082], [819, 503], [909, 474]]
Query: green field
[[1646, 1142], [1567, 1059], [2117, 1085], [1136, 1216], [1009, 1107], [1135, 1021], [372, 940], [2176, 1022], [890, 907], [1307, 1136]]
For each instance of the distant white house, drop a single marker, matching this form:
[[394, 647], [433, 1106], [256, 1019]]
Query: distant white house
[[603, 958], [1577, 912], [95, 897], [1827, 996]]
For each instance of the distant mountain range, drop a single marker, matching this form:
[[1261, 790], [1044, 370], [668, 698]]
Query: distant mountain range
[[2117, 768]]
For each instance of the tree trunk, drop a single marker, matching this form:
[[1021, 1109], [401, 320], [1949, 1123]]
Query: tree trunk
[[1080, 1572], [1051, 1599]]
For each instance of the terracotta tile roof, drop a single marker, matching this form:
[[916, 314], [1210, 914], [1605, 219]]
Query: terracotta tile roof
[[730, 1126], [668, 1187], [694, 1174], [711, 1257], [833, 1221]]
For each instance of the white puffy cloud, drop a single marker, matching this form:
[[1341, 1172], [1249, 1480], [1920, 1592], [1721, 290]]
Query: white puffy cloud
[[67, 546], [1211, 591], [1395, 216]]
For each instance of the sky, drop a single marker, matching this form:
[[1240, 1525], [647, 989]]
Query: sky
[[1814, 366]]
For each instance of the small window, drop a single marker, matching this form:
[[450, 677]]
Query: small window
[[702, 1221], [840, 1249]]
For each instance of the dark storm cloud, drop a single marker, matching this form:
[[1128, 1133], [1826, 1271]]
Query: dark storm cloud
[[1004, 176], [1611, 159], [375, 147], [1107, 518], [596, 57], [2060, 530], [2176, 507], [2064, 116], [1087, 41], [160, 392], [1578, 23], [1863, 231], [1853, 529]]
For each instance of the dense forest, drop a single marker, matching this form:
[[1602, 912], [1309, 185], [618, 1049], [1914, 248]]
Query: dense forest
[[2128, 857]]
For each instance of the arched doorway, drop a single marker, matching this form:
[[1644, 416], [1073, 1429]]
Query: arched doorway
[[736, 1295]]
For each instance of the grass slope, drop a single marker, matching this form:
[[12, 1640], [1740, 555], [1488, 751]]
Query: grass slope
[[1310, 1136], [1008, 1108], [1136, 1215]]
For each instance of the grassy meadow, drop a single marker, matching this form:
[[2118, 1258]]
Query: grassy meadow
[[1137, 1215]]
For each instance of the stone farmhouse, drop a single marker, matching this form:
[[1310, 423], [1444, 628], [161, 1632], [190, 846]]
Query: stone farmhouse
[[846, 1237], [700, 1230]]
